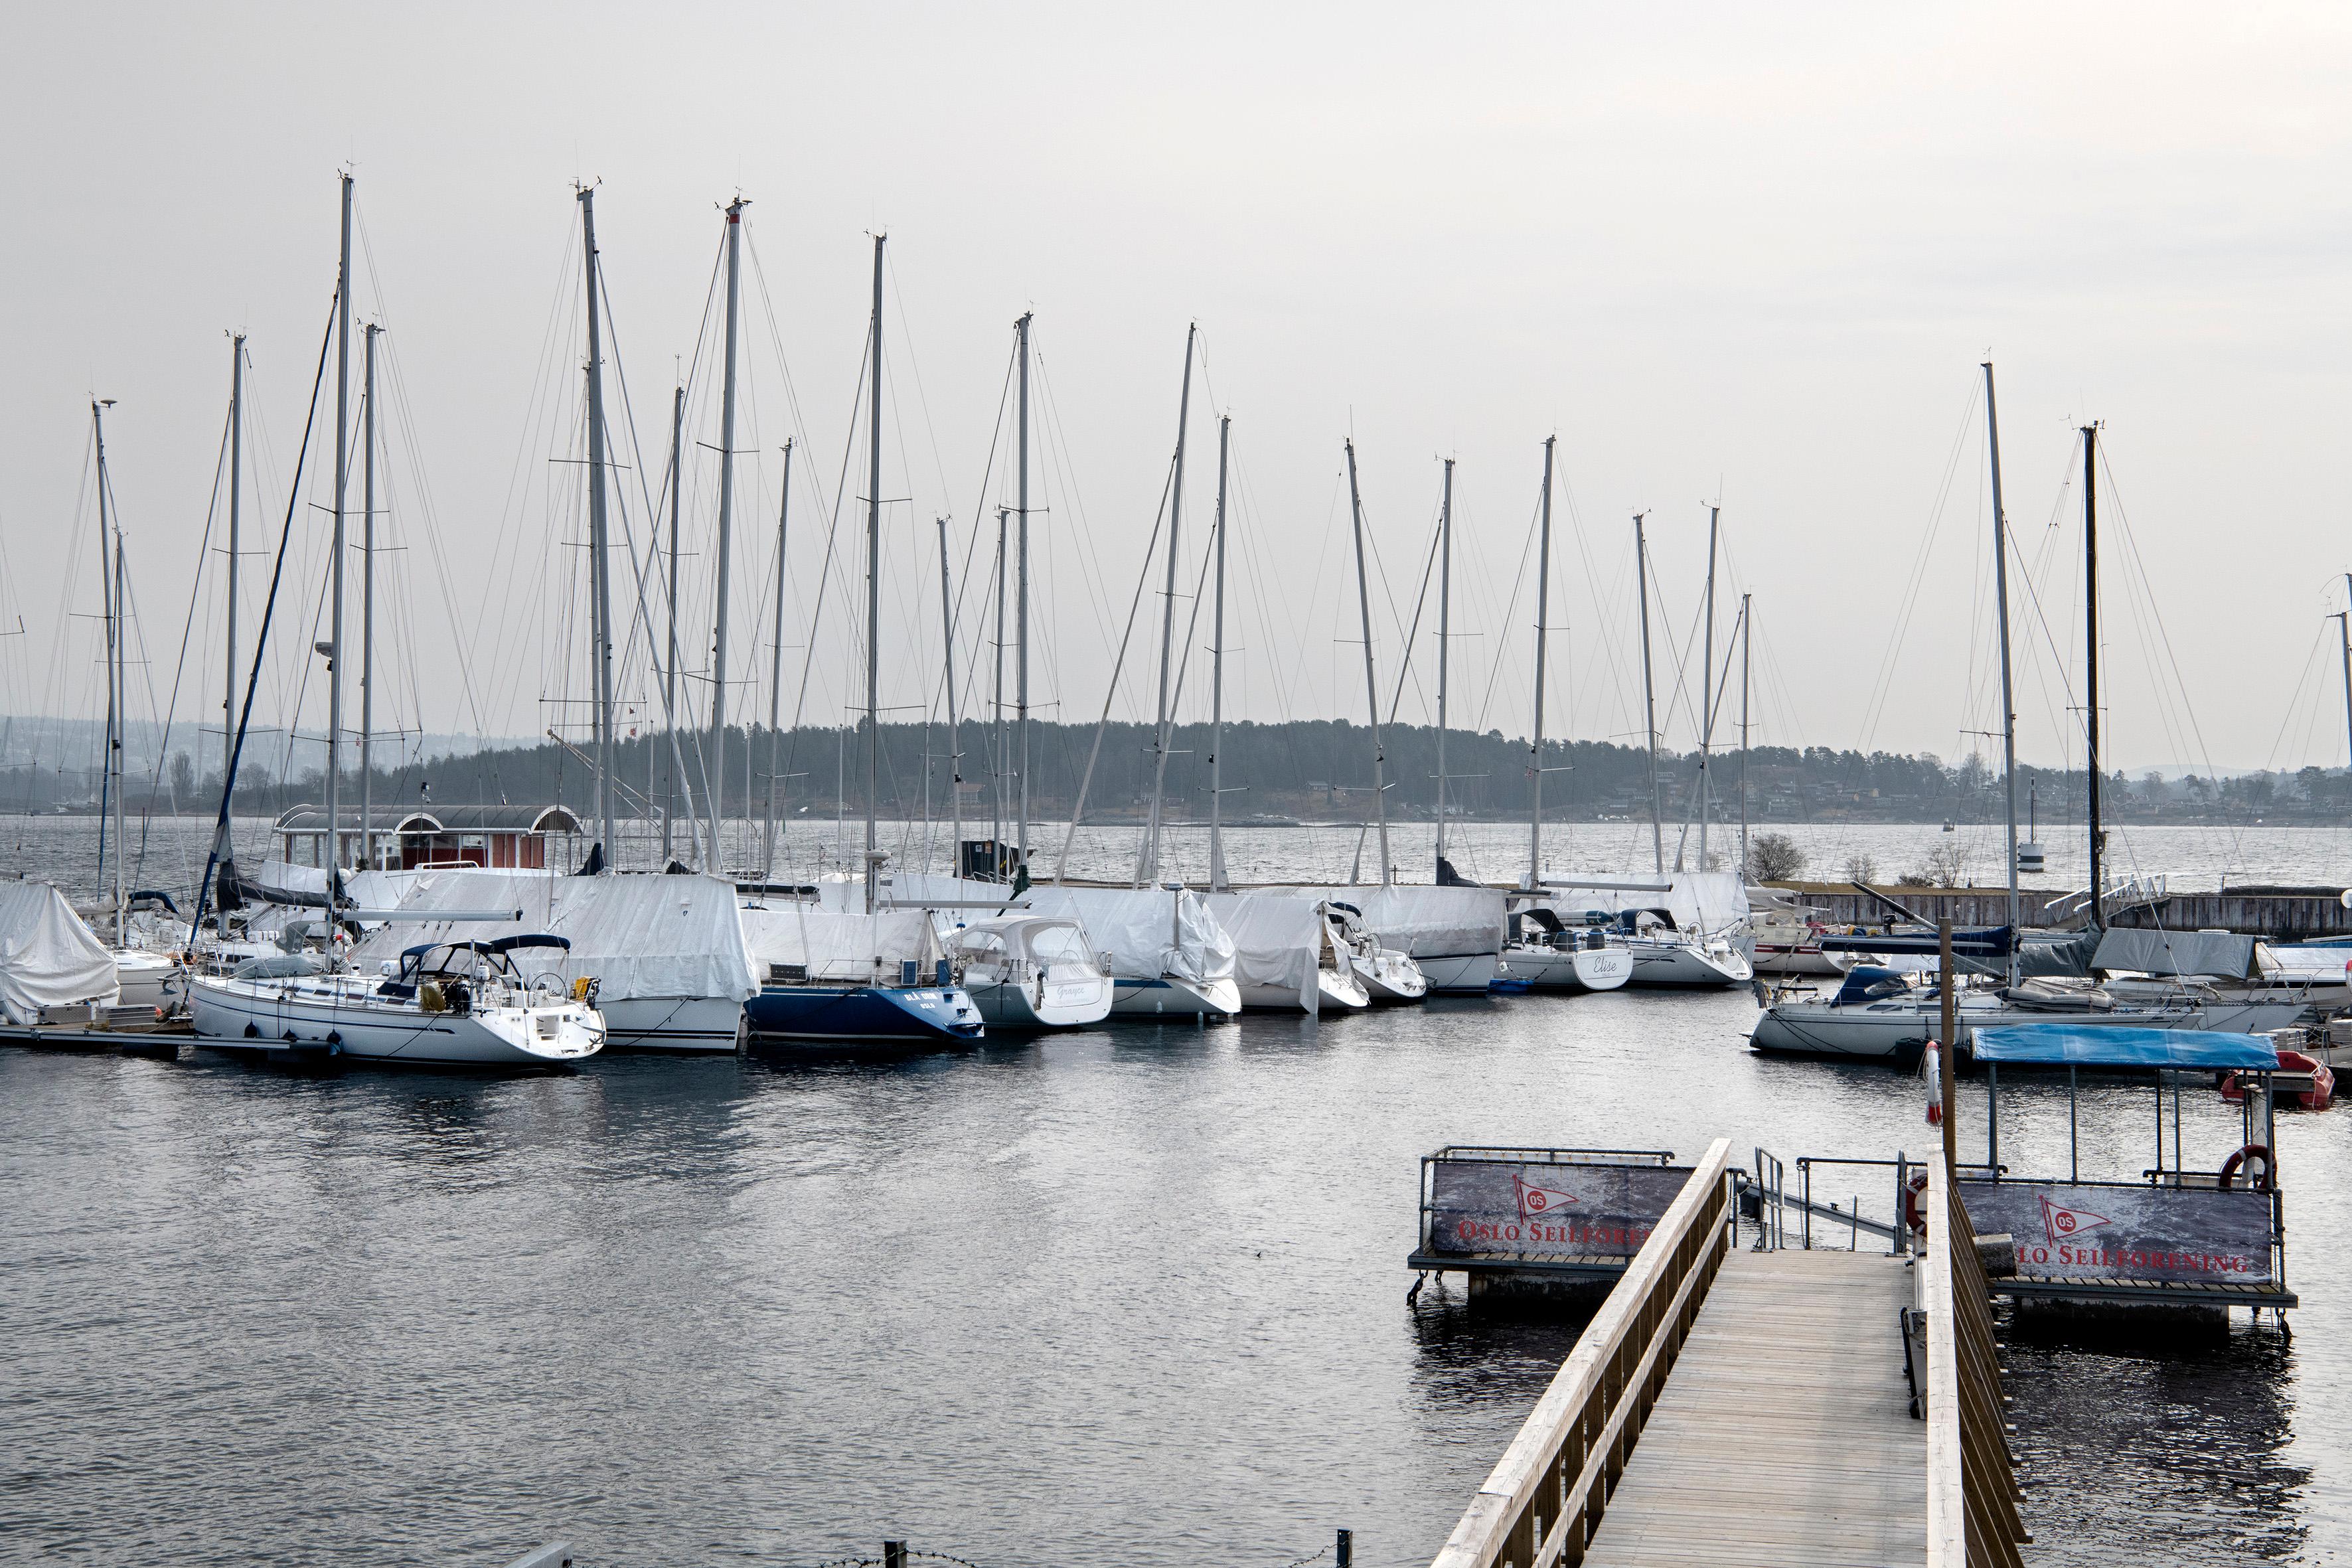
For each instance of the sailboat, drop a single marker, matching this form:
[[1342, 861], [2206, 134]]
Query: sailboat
[[876, 978], [450, 1003]]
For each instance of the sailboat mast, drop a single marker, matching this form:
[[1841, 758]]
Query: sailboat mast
[[2007, 698], [1150, 864], [670, 671], [1217, 679], [955, 729], [335, 617], [776, 673], [2090, 667], [1444, 640], [1649, 696], [873, 597], [1747, 643], [599, 556], [1543, 630], [1371, 683], [109, 584], [999, 758], [2344, 625], [1021, 600], [726, 524], [1707, 691], [236, 477], [367, 597]]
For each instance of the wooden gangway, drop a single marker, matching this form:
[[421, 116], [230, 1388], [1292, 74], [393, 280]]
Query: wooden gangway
[[1726, 1406]]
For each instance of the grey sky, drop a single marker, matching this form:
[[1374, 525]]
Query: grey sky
[[1740, 252]]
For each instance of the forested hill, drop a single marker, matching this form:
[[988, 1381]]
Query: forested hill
[[1305, 769]]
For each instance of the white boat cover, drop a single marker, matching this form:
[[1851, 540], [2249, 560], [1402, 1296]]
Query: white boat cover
[[2215, 952], [1148, 931], [48, 958], [1428, 922], [1700, 901], [365, 889], [641, 936], [833, 945], [1277, 941]]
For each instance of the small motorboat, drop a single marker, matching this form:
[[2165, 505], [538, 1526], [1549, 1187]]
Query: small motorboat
[[2301, 1080], [450, 1003]]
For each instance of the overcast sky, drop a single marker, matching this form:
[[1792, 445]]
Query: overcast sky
[[1745, 254]]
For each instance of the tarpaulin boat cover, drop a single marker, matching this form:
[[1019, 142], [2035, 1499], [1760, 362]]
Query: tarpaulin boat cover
[[1148, 931], [283, 882], [641, 936], [833, 945], [1700, 901], [2104, 1046], [2216, 953], [1427, 922], [48, 958], [1277, 941]]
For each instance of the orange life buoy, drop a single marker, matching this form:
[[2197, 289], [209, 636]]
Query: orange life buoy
[[2251, 1151], [1913, 1215]]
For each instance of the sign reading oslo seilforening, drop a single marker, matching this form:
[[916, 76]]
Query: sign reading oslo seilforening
[[2175, 1234], [1569, 1213]]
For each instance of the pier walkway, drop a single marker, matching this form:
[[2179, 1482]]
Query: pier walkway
[[1753, 1407]]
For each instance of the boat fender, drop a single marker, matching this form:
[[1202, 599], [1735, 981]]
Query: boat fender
[[1915, 1210], [335, 1038], [252, 1032], [2248, 1157]]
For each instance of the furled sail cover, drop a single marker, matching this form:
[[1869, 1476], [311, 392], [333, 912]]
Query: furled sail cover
[[831, 944], [2216, 953], [1427, 922], [642, 937], [1277, 941], [48, 958]]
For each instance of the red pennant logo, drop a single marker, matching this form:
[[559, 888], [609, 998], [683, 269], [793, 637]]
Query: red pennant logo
[[2062, 1224], [1536, 1202]]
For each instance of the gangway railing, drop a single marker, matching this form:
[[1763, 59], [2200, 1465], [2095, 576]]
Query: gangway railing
[[1543, 1501], [1972, 1517]]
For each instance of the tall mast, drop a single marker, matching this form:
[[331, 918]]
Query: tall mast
[[599, 559], [1021, 599], [1000, 759], [2007, 698], [367, 597], [1217, 679], [955, 731], [1747, 643], [874, 595], [2344, 624], [110, 583], [1149, 868], [776, 673], [718, 785], [1543, 630], [1371, 684], [1706, 693], [670, 671], [1444, 625], [236, 477], [1649, 696], [335, 619], [2091, 666]]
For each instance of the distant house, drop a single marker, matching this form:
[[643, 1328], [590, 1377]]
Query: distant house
[[498, 837]]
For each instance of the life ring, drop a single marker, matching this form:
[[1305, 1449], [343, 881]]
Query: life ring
[[2259, 1152], [1913, 1215]]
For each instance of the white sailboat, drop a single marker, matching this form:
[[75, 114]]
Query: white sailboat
[[1032, 972]]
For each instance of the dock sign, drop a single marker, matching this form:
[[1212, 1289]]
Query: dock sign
[[1560, 1212], [2183, 1235]]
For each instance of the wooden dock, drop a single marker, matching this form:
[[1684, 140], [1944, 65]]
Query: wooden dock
[[1792, 1381]]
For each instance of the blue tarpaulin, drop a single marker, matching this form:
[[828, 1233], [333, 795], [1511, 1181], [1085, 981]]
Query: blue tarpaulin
[[2102, 1046]]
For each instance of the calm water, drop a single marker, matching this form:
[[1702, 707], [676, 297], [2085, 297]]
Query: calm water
[[1134, 1295]]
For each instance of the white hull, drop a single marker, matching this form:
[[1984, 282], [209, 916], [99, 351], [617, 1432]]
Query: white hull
[[144, 979], [679, 1024], [1169, 996], [340, 1017], [1569, 969], [1675, 963], [1459, 974], [1777, 958], [1065, 1004], [1334, 992], [1391, 977]]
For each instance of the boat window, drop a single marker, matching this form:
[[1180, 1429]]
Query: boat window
[[1059, 945], [980, 946]]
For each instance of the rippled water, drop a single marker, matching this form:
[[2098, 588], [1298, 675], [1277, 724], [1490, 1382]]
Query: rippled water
[[1134, 1294]]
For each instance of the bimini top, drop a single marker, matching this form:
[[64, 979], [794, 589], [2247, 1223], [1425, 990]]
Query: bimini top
[[2100, 1046]]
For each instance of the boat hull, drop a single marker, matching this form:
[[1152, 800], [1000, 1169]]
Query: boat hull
[[1065, 1004], [675, 1024], [1678, 966], [1569, 969], [1459, 973], [1390, 978], [248, 1017], [860, 1017], [1169, 995]]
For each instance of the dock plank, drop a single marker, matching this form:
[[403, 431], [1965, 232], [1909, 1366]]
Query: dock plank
[[1784, 1435]]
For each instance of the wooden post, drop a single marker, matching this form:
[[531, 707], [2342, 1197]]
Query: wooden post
[[894, 1554], [1949, 1088]]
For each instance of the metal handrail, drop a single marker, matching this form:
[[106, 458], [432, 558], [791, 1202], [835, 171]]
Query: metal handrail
[[1543, 1501], [1973, 1517]]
